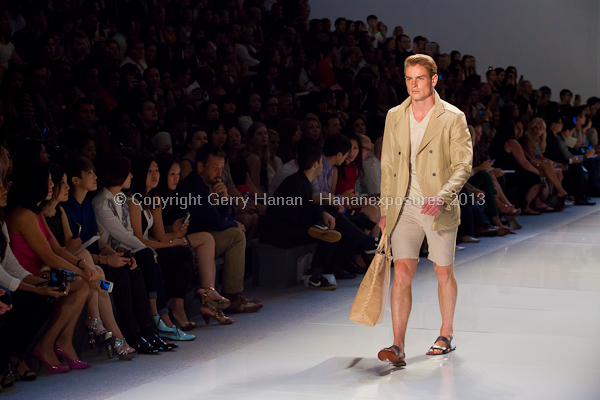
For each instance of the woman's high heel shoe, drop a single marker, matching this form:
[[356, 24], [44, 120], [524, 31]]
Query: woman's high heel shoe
[[73, 364], [52, 369], [217, 314], [98, 334], [124, 351], [184, 327], [220, 304], [512, 221]]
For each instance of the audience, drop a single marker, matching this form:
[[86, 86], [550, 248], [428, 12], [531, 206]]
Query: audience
[[242, 106]]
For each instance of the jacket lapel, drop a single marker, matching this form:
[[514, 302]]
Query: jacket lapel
[[434, 127]]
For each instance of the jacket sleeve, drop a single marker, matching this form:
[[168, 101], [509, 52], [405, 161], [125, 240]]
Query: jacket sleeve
[[461, 158], [387, 159]]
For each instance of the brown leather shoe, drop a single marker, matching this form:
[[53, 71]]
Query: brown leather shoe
[[240, 304]]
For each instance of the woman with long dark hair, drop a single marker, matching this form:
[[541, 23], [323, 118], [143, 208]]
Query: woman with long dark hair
[[202, 245], [114, 225], [35, 247], [98, 303], [173, 256], [509, 155]]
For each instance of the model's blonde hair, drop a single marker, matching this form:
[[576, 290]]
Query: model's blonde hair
[[422, 60]]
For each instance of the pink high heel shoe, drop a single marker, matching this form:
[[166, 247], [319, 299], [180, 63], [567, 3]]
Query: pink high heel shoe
[[52, 369], [73, 364]]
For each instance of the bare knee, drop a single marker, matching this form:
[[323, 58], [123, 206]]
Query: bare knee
[[403, 274], [444, 274]]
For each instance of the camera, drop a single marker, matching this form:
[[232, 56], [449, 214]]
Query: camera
[[59, 278], [128, 254]]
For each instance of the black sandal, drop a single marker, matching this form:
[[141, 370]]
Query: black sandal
[[445, 350], [392, 355]]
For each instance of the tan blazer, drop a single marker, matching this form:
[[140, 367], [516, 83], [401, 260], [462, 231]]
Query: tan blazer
[[443, 163]]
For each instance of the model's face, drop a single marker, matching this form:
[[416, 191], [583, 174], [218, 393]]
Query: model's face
[[418, 82]]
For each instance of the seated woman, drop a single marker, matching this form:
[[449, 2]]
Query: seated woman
[[534, 145], [345, 177], [99, 307], [167, 227], [274, 162], [30, 297], [195, 139], [34, 246], [257, 157], [174, 258], [525, 181], [114, 225], [289, 135], [486, 183]]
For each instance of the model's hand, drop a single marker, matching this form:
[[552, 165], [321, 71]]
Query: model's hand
[[433, 206], [382, 221]]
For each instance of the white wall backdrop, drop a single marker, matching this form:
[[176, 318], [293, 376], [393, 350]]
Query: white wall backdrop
[[551, 42]]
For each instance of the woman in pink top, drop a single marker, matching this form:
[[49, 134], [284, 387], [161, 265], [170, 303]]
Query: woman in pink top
[[34, 245]]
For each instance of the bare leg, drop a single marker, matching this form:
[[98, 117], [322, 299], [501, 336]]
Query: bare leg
[[447, 294], [62, 322], [401, 299], [532, 194], [547, 171]]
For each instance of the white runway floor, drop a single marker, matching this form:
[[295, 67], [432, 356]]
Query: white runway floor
[[527, 326]]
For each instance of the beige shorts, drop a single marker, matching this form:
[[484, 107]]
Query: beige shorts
[[412, 227]]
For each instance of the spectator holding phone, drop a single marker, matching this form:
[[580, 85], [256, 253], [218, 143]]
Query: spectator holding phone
[[129, 293], [35, 247]]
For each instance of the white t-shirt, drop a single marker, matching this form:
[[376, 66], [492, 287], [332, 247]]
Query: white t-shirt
[[417, 131]]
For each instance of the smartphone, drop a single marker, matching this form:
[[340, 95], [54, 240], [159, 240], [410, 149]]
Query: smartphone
[[480, 112], [493, 161], [591, 148], [574, 120], [187, 218], [77, 230], [44, 133], [440, 77], [106, 285]]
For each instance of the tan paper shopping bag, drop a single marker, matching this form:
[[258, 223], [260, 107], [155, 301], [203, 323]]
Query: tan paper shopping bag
[[371, 299]]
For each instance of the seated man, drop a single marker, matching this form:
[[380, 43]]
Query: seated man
[[209, 203], [294, 225]]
